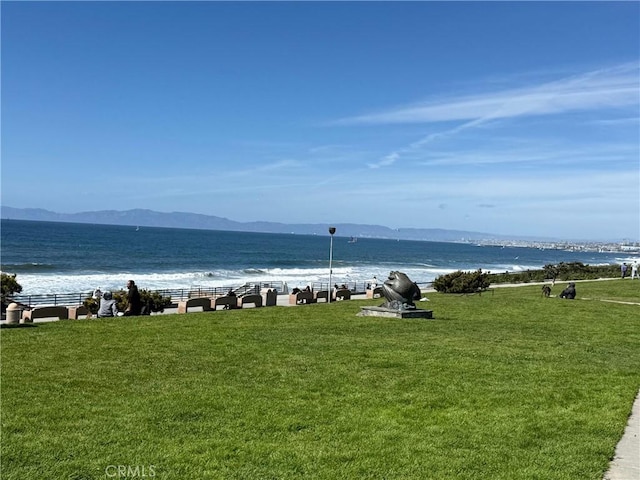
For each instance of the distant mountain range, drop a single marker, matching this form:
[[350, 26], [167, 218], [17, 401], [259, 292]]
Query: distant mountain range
[[150, 218]]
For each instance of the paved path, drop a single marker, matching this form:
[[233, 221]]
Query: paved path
[[626, 463]]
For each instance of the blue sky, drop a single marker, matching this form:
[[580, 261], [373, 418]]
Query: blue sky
[[505, 117]]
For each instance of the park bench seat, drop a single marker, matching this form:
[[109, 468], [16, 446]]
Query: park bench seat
[[254, 299], [75, 312], [226, 301], [270, 297], [28, 316], [343, 294], [196, 302], [300, 297], [375, 292], [321, 294]]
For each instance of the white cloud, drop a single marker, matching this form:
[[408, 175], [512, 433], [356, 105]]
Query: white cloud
[[600, 90], [606, 88], [534, 155]]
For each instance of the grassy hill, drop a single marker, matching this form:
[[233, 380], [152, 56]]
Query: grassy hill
[[506, 385]]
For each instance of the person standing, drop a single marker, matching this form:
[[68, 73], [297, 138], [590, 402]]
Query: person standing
[[634, 270], [134, 304], [623, 269]]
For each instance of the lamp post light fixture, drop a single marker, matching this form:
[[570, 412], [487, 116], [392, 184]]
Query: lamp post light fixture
[[332, 230]]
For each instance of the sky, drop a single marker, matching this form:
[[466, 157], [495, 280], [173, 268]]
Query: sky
[[516, 118]]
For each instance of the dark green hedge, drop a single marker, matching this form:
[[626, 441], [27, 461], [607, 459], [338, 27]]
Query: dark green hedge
[[472, 282], [561, 271], [462, 282]]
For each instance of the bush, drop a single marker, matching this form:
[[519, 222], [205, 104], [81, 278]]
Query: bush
[[154, 301], [462, 282], [562, 271], [9, 286], [92, 304]]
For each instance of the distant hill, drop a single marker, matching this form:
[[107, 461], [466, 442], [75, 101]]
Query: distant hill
[[150, 218]]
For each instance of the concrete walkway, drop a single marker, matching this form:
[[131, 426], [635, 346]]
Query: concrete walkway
[[626, 463]]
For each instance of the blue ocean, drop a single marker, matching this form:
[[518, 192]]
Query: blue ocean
[[51, 257]]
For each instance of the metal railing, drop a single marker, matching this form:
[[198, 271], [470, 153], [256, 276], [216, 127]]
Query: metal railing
[[177, 295], [359, 287], [180, 294]]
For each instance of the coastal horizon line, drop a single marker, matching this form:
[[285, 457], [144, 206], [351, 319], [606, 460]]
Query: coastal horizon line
[[150, 218]]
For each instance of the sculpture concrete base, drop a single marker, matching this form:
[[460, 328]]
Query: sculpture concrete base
[[389, 313]]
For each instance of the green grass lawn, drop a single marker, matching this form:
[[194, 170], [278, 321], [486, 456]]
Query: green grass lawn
[[503, 385]]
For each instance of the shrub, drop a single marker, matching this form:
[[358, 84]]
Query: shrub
[[462, 282], [9, 286], [550, 272], [562, 271], [92, 304], [154, 301]]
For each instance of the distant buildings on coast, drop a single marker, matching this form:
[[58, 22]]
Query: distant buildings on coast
[[602, 247]]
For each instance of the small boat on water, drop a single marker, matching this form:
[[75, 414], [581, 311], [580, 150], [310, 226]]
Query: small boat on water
[[353, 240]]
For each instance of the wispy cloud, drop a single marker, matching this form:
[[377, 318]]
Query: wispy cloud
[[617, 122], [604, 89], [536, 155]]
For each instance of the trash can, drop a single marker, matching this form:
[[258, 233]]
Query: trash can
[[14, 312]]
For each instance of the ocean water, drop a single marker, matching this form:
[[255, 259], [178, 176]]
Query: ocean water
[[51, 257]]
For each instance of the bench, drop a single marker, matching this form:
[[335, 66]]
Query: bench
[[374, 292], [300, 297], [75, 312], [343, 294], [28, 316], [227, 301], [270, 297], [254, 299], [321, 294], [203, 302]]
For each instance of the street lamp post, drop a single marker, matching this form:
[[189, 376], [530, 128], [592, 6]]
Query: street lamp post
[[332, 230]]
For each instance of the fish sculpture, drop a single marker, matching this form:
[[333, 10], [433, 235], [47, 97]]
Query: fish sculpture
[[400, 292]]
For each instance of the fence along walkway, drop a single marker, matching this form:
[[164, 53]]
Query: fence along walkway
[[181, 294], [177, 295]]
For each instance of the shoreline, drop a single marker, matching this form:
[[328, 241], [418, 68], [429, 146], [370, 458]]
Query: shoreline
[[75, 262], [283, 298]]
